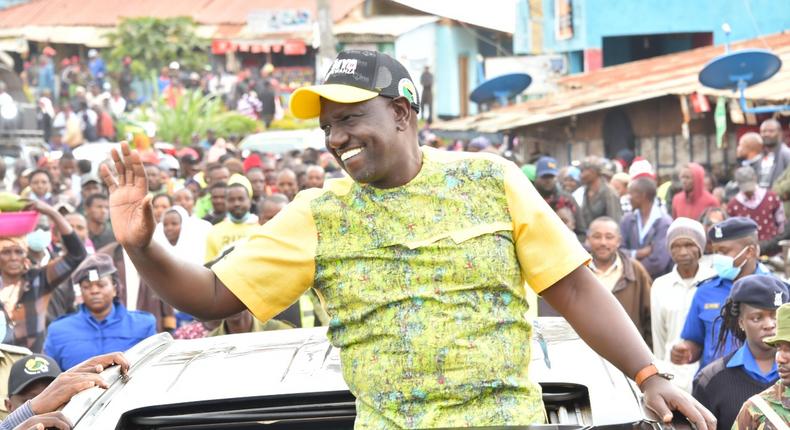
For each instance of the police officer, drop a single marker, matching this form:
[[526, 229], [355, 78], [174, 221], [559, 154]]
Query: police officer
[[9, 354], [736, 253], [771, 408], [747, 317]]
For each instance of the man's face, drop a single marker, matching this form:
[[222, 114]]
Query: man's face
[[99, 211], [286, 183], [783, 361], [359, 137], [218, 200], [238, 202], [12, 260], [258, 182], [221, 174], [619, 187], [686, 180], [735, 248], [684, 252], [79, 224], [315, 179], [68, 167], [268, 211], [637, 197], [54, 169], [546, 183], [758, 324], [771, 133], [588, 176], [570, 185], [270, 173], [184, 198], [90, 189], [97, 295], [604, 238], [154, 176], [40, 184], [32, 390]]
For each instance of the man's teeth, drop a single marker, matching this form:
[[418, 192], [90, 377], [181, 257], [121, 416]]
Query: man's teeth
[[350, 153]]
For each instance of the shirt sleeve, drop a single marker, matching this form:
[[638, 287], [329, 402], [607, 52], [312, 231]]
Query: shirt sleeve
[[272, 268], [658, 324], [16, 418], [547, 249], [694, 328]]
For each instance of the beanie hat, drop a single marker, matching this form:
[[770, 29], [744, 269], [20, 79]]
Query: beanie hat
[[254, 160], [641, 168], [687, 228]]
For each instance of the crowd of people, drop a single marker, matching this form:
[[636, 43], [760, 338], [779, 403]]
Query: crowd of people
[[79, 100], [684, 257]]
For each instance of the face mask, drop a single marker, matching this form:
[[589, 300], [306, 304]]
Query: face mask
[[38, 240], [238, 220], [725, 265]]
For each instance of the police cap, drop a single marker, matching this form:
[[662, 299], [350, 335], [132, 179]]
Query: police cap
[[762, 291], [732, 228]]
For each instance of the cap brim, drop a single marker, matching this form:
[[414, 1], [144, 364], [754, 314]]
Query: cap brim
[[306, 101], [25, 384]]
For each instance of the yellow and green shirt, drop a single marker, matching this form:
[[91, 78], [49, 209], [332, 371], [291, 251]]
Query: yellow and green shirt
[[424, 285]]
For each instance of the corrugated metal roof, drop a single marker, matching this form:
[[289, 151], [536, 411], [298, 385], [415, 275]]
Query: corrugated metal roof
[[388, 25], [630, 83], [107, 13]]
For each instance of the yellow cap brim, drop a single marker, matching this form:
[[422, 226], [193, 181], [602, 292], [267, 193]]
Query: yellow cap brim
[[306, 101]]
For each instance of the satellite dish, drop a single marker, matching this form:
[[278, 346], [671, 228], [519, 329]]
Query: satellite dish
[[739, 70], [501, 88]]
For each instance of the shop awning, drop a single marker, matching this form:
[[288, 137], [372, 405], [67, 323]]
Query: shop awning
[[380, 28]]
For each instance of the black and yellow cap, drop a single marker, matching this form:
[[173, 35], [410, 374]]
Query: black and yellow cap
[[356, 76]]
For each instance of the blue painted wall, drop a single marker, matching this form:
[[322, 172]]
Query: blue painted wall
[[451, 43], [595, 19]]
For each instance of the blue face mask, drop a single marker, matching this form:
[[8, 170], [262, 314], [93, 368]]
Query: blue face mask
[[239, 220], [725, 265]]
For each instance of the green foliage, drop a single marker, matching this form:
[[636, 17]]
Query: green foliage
[[195, 114], [153, 43]]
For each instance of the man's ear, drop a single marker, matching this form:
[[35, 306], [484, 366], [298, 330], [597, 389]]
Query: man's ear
[[403, 112]]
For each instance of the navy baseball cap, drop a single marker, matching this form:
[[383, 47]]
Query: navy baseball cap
[[762, 291], [546, 166], [732, 228], [356, 76], [29, 369]]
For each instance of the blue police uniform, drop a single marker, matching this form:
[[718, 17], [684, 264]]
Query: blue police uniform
[[702, 326], [73, 338]]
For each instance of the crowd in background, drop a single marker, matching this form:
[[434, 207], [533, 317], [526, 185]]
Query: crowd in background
[[671, 250]]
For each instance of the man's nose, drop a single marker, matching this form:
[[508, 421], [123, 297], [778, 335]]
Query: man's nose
[[336, 138]]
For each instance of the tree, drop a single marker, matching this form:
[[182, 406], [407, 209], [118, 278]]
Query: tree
[[153, 43]]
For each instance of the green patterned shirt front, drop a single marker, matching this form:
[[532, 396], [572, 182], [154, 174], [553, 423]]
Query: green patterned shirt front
[[426, 298], [777, 397]]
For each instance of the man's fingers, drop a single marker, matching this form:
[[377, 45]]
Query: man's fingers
[[108, 178], [128, 165], [693, 412], [119, 167], [49, 420], [140, 179], [661, 410]]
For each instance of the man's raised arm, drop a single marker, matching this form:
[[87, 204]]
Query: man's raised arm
[[186, 285]]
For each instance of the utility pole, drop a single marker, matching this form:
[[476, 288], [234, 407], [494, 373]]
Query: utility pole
[[326, 52]]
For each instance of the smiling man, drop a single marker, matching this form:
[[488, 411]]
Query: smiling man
[[421, 257]]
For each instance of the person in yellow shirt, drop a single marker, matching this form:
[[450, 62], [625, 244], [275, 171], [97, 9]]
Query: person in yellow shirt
[[420, 257], [238, 224]]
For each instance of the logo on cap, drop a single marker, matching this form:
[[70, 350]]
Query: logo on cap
[[36, 366], [406, 89], [778, 299], [717, 232], [93, 275], [345, 66]]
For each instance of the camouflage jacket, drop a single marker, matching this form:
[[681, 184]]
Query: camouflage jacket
[[752, 418]]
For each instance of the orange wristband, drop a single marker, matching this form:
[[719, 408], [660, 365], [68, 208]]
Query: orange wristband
[[646, 372]]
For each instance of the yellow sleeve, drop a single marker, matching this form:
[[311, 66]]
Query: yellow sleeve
[[211, 245], [272, 268], [547, 249]]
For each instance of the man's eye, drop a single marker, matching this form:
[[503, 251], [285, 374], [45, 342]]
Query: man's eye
[[327, 129]]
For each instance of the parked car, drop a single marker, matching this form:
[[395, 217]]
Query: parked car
[[292, 379]]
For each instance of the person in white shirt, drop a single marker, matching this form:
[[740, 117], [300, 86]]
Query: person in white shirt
[[671, 294]]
